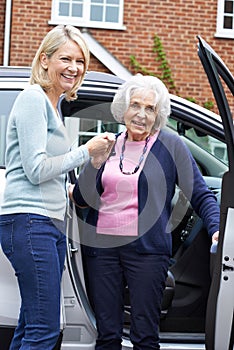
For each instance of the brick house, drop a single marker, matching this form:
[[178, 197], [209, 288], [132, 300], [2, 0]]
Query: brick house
[[128, 36]]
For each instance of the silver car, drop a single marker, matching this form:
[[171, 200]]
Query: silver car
[[197, 308]]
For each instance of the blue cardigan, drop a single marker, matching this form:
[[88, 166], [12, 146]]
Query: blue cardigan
[[168, 163]]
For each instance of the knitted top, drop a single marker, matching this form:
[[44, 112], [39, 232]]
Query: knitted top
[[38, 156]]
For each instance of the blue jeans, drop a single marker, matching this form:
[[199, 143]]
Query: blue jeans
[[36, 247]]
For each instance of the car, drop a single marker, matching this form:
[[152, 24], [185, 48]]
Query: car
[[197, 308]]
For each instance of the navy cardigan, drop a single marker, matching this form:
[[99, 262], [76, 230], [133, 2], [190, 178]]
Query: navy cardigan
[[168, 163]]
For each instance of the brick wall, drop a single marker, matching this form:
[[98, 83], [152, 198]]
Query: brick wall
[[29, 25], [176, 23], [2, 21]]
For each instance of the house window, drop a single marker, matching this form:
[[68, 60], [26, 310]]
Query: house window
[[225, 19], [106, 14]]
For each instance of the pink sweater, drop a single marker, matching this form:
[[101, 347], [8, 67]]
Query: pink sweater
[[118, 214]]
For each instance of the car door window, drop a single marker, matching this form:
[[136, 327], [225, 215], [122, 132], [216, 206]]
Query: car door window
[[89, 119], [209, 143]]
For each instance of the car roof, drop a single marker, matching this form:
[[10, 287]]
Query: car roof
[[7, 72]]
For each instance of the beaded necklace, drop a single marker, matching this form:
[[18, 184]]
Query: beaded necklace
[[121, 158]]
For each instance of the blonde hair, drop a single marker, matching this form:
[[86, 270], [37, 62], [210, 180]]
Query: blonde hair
[[54, 39], [122, 98]]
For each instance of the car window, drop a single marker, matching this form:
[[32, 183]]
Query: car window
[[209, 143], [89, 118], [95, 117], [80, 130], [7, 98], [85, 123]]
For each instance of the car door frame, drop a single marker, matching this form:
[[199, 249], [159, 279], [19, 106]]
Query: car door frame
[[219, 317]]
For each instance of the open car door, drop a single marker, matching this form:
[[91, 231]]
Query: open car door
[[219, 317]]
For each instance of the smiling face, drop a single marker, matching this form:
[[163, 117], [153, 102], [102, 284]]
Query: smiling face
[[141, 115], [64, 68]]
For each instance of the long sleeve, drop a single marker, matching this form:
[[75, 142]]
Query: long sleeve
[[43, 143], [85, 192], [191, 181]]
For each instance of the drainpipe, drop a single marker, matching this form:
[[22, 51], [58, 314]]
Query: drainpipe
[[6, 52]]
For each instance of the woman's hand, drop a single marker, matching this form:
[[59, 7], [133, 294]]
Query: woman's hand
[[215, 237], [70, 191], [100, 144], [101, 153]]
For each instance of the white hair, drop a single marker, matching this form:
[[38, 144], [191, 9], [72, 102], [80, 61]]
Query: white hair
[[123, 95]]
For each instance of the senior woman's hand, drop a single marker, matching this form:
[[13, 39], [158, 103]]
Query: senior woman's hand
[[215, 237]]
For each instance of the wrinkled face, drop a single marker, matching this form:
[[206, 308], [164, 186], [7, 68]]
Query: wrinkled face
[[64, 67], [141, 115]]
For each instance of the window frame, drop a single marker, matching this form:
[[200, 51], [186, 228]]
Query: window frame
[[85, 21], [222, 32]]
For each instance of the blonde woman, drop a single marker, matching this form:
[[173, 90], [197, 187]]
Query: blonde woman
[[32, 221]]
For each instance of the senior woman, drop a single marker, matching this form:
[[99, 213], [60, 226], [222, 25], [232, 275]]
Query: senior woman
[[126, 235]]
